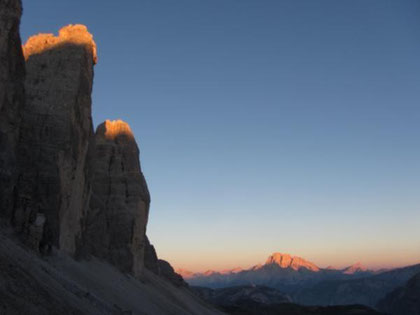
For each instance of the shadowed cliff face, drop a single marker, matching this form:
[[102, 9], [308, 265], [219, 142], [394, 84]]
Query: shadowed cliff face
[[119, 205], [60, 184], [81, 192], [11, 99], [55, 132]]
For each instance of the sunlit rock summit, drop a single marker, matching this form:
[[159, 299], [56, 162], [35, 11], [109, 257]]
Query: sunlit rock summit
[[288, 261], [71, 35]]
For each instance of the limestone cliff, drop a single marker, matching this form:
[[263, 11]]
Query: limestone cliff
[[56, 129], [115, 225], [11, 99], [70, 191]]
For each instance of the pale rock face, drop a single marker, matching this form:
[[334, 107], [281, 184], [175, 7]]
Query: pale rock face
[[119, 205], [12, 71], [55, 133], [288, 261]]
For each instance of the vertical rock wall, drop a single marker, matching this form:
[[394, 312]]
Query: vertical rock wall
[[119, 205], [56, 129], [12, 73], [60, 184]]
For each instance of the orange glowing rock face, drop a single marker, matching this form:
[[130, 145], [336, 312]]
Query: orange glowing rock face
[[71, 34], [115, 128], [288, 261]]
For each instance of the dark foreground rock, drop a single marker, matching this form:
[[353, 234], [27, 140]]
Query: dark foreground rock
[[12, 70], [404, 300], [260, 300], [294, 309], [366, 290], [242, 295], [57, 284]]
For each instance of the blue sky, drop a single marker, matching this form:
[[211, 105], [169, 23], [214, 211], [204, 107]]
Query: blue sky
[[264, 126]]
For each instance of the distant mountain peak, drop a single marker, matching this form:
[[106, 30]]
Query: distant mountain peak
[[330, 267], [229, 271], [209, 272], [289, 261], [357, 267], [186, 274]]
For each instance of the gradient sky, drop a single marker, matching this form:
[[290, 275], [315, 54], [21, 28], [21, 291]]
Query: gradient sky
[[264, 126]]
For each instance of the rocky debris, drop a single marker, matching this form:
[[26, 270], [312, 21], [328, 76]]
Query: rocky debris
[[404, 300], [55, 133], [58, 284], [115, 224], [12, 72]]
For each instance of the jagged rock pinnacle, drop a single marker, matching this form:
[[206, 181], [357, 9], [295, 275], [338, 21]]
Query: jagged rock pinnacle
[[119, 207], [56, 127]]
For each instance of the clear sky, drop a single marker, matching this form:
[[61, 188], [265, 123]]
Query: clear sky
[[264, 125]]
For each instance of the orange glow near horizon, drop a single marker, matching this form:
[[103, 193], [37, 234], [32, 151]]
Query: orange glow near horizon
[[204, 263]]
